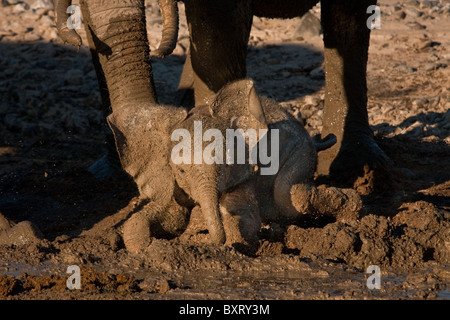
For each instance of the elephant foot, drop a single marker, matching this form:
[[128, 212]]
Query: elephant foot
[[136, 233], [360, 164], [154, 221]]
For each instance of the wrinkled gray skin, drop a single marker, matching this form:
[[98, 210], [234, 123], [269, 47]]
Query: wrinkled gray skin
[[219, 33], [233, 197]]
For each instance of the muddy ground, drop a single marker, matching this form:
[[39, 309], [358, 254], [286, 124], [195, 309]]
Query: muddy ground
[[52, 129]]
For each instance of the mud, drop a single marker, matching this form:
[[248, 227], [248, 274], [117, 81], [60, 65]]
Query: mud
[[52, 129]]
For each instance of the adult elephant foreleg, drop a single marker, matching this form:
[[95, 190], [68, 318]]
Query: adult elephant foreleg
[[346, 38], [117, 32]]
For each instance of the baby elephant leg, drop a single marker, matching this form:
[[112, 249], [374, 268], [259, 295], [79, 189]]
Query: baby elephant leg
[[153, 221], [341, 204], [240, 215]]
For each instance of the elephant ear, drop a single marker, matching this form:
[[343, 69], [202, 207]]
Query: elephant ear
[[238, 103], [142, 134]]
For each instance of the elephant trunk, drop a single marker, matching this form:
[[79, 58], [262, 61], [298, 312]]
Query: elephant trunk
[[117, 31], [169, 12], [65, 32], [207, 196]]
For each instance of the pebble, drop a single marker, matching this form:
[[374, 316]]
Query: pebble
[[399, 15], [405, 68], [431, 66], [414, 13], [428, 3], [423, 43]]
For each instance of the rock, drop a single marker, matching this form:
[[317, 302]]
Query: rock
[[428, 3], [42, 4], [423, 44], [399, 15], [405, 68], [20, 7], [415, 25], [309, 27], [413, 3], [431, 66], [414, 13]]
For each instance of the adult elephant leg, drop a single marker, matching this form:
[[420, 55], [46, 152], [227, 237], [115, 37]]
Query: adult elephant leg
[[346, 38], [219, 32], [117, 33]]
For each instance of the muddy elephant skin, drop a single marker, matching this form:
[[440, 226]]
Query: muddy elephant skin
[[234, 197], [219, 34]]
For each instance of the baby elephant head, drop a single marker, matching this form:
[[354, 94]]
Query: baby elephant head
[[205, 171]]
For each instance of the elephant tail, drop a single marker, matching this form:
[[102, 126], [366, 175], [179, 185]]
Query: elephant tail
[[65, 32], [326, 143], [169, 12]]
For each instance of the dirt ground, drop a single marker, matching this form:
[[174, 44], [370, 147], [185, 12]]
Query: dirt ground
[[52, 129]]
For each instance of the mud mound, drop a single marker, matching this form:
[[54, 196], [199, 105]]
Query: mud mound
[[418, 234]]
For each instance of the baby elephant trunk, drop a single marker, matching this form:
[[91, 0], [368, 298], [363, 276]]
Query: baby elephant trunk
[[208, 199]]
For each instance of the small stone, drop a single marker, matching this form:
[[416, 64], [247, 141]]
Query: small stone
[[413, 3], [415, 25], [414, 13], [405, 68], [428, 3], [431, 66], [399, 15], [423, 44]]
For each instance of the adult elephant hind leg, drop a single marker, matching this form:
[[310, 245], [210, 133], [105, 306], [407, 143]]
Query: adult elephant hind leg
[[346, 38], [219, 33]]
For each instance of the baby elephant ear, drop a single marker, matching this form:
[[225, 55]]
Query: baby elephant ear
[[239, 100], [142, 134], [255, 107]]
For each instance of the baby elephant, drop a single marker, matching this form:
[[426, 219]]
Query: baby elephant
[[241, 159]]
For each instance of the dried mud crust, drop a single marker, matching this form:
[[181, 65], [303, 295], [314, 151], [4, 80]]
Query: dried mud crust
[[52, 129]]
